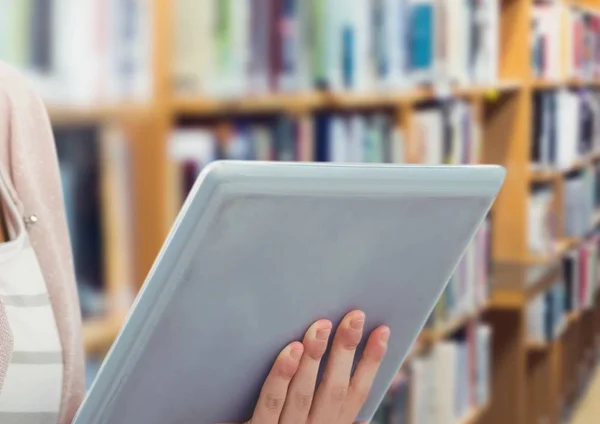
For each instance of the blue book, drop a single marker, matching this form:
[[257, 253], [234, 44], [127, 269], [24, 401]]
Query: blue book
[[422, 24]]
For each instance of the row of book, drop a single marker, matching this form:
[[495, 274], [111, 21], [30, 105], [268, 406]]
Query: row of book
[[95, 174], [443, 133], [547, 314], [579, 210], [446, 133], [226, 49], [566, 127], [84, 51], [468, 289], [563, 29], [445, 384]]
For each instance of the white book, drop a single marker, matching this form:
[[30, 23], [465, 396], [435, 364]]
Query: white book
[[192, 143], [361, 19], [428, 127], [240, 47], [335, 21], [394, 45], [567, 128], [357, 136], [484, 353], [397, 141], [338, 140], [457, 41], [423, 405], [445, 354], [486, 63]]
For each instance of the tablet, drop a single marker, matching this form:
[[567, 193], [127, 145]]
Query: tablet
[[258, 252]]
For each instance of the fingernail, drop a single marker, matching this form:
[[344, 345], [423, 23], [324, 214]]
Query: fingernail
[[385, 336], [296, 353], [323, 334], [358, 322]]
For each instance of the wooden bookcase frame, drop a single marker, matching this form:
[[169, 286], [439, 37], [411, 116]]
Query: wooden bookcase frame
[[529, 381]]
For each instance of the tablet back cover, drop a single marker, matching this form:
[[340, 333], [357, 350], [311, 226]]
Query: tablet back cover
[[250, 266]]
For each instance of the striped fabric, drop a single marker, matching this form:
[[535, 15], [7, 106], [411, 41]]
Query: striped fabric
[[31, 392]]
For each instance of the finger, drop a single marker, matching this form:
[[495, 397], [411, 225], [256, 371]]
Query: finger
[[331, 394], [365, 373], [301, 391], [273, 394]]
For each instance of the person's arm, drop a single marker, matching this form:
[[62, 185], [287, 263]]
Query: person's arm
[[28, 152]]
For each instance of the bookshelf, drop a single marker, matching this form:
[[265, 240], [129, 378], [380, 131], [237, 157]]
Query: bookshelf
[[531, 380]]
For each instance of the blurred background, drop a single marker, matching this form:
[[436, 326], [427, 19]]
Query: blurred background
[[142, 94]]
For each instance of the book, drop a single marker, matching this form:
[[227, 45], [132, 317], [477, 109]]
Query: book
[[547, 40], [546, 314], [541, 237]]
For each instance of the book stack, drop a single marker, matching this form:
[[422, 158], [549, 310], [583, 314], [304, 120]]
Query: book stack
[[579, 203], [566, 127], [468, 288], [446, 133], [82, 52], [546, 314], [582, 41], [444, 385], [581, 275], [227, 49]]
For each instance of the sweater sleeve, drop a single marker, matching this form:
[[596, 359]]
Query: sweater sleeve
[[28, 150]]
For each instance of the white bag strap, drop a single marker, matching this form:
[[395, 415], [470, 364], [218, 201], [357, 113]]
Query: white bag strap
[[14, 220]]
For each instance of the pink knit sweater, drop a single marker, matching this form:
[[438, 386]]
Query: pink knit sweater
[[27, 152]]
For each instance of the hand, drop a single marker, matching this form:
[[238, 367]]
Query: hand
[[289, 395]]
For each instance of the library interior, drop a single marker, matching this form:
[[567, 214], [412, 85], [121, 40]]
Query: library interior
[[142, 94]]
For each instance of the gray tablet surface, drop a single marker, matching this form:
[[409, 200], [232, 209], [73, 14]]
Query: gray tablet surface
[[261, 250]]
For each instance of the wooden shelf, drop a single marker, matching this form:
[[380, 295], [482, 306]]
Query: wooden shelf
[[573, 317], [515, 284], [543, 176], [454, 325], [295, 103], [537, 346], [550, 175], [84, 115], [542, 84], [561, 247], [474, 416], [100, 333]]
